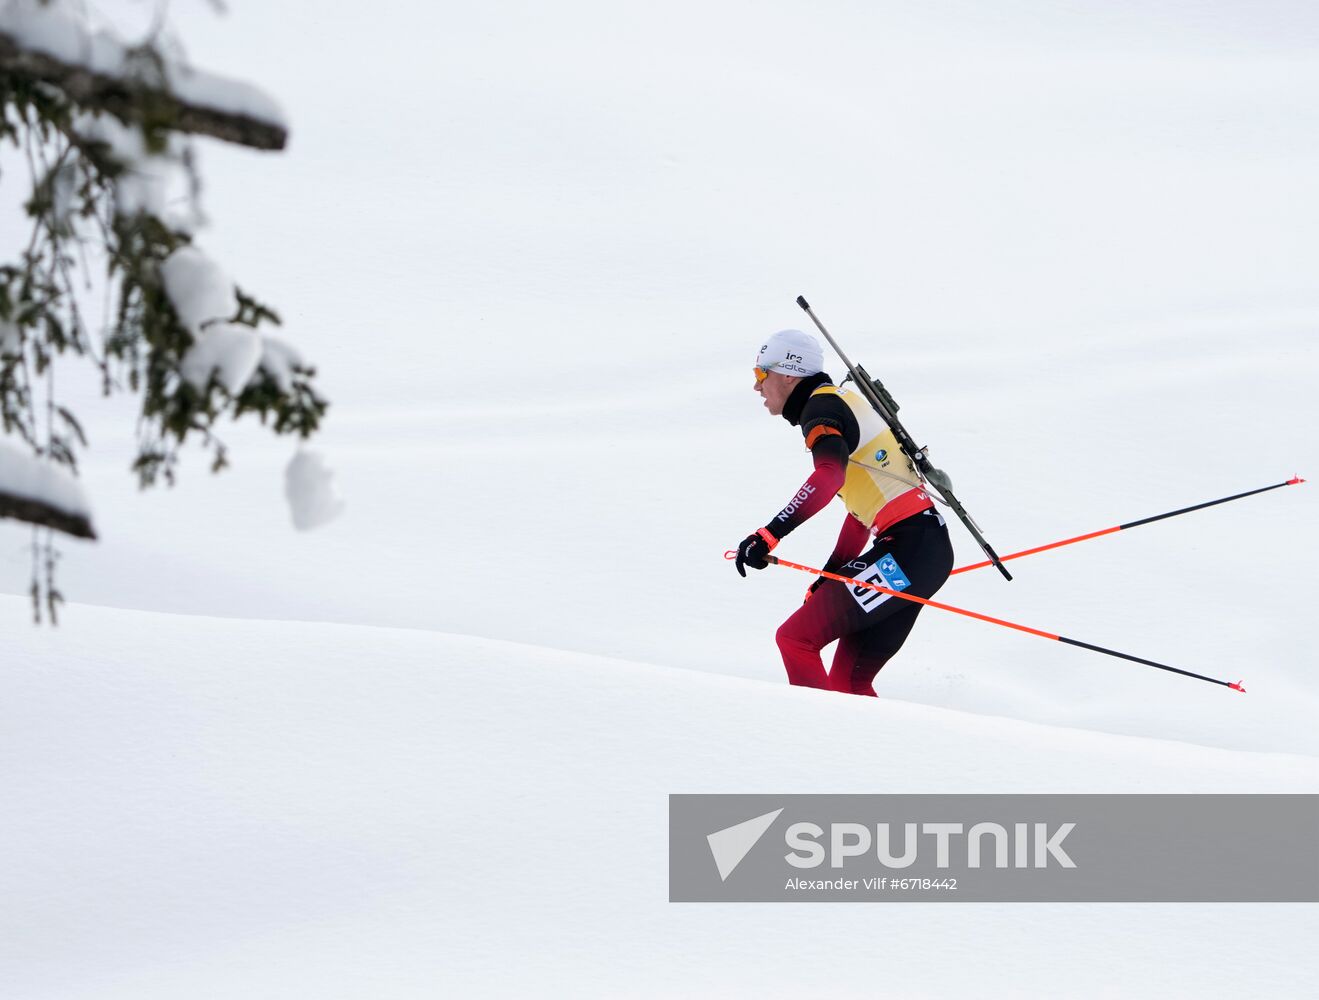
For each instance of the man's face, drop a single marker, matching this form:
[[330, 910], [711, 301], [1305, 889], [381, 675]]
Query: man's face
[[775, 391]]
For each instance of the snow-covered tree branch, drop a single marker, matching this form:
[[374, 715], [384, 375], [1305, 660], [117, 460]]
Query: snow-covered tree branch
[[136, 85], [104, 127]]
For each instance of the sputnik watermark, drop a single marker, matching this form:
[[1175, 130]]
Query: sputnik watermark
[[1003, 848], [852, 840]]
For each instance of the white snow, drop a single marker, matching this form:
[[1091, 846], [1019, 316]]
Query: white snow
[[278, 359], [209, 807], [229, 351], [11, 338], [24, 475], [531, 258], [58, 29], [198, 288], [309, 489], [204, 296], [151, 182], [64, 187], [210, 90]]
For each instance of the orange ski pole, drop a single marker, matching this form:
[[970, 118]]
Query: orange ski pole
[[1123, 527], [995, 621]]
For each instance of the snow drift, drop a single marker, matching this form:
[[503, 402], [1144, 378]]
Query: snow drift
[[216, 808]]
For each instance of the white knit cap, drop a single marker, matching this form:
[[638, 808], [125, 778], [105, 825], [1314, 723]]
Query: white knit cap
[[791, 352]]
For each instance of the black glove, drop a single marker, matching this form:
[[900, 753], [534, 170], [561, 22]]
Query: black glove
[[754, 550], [810, 591]]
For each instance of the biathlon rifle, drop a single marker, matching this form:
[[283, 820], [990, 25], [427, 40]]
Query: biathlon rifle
[[887, 407]]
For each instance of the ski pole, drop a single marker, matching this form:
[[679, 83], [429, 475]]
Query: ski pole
[[1123, 527], [996, 621]]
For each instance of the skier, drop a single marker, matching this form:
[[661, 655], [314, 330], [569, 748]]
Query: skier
[[856, 457]]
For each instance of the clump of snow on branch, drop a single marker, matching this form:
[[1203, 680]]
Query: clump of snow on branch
[[27, 477], [198, 289], [278, 359], [209, 90], [229, 351], [152, 182], [310, 491], [57, 29], [204, 297]]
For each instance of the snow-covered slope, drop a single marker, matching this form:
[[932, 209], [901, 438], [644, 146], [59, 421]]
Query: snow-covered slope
[[532, 255], [531, 249], [213, 808], [592, 515]]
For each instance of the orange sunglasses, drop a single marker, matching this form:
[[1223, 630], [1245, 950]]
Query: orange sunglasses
[[761, 374]]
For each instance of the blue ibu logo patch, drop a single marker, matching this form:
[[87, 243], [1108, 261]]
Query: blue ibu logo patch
[[894, 578], [881, 455], [885, 573]]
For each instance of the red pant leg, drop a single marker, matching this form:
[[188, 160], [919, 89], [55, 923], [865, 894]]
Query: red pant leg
[[846, 673], [811, 627], [869, 631]]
